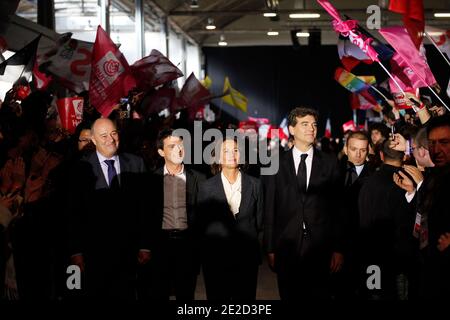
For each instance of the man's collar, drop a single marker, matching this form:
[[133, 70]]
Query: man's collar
[[165, 171], [102, 158], [298, 153]]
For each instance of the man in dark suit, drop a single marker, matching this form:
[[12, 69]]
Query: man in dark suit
[[386, 221], [302, 208], [174, 266], [109, 223], [354, 172]]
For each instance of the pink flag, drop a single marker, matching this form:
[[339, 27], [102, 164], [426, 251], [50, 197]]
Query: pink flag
[[153, 70], [110, 76], [399, 38], [403, 74], [348, 29]]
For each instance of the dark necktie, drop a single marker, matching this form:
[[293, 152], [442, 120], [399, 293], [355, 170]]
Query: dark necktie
[[351, 174], [112, 173], [301, 173]]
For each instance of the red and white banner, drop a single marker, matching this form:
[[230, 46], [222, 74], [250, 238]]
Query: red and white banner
[[69, 62], [70, 112]]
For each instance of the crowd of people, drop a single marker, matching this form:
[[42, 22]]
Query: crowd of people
[[368, 221]]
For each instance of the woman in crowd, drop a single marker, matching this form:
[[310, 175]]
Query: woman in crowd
[[230, 219]]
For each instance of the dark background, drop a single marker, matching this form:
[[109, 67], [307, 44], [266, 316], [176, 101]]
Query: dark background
[[279, 78]]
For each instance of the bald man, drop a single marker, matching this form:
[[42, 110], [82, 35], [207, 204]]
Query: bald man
[[108, 221]]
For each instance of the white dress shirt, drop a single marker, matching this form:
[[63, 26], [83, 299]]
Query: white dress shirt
[[297, 158], [233, 192], [359, 169], [104, 166]]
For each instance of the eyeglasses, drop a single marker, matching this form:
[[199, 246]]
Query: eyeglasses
[[84, 140]]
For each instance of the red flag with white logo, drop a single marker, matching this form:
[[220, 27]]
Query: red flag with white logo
[[110, 74]]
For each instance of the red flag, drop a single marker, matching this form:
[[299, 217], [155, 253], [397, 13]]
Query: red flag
[[158, 101], [153, 70], [110, 74], [41, 80], [350, 125], [193, 94], [413, 17], [399, 39], [363, 102]]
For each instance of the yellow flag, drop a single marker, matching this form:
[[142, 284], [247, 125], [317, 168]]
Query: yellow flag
[[234, 98], [207, 82]]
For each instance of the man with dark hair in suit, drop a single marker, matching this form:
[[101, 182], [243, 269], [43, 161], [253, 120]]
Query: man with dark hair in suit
[[174, 266], [386, 221], [302, 209], [109, 227]]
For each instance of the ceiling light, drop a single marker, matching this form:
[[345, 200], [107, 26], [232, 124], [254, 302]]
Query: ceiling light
[[302, 34], [194, 4], [272, 33], [269, 14], [442, 15], [222, 41], [304, 15], [210, 25]]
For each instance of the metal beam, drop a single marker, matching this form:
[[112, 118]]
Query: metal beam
[[260, 12], [46, 13], [104, 15], [162, 14], [139, 25]]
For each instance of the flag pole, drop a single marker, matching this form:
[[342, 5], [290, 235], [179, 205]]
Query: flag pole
[[379, 92], [393, 79], [437, 96], [435, 45]]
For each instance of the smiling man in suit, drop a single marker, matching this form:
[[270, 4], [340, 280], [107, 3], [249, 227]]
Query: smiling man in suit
[[301, 218], [109, 224]]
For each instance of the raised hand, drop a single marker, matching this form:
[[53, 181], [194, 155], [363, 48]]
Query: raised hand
[[403, 182]]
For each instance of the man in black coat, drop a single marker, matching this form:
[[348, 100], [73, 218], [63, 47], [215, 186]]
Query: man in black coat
[[354, 172], [110, 226], [174, 265], [386, 220], [302, 214]]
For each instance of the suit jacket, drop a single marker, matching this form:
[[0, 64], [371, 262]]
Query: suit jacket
[[226, 235], [386, 220], [110, 221], [286, 210], [193, 179], [350, 194]]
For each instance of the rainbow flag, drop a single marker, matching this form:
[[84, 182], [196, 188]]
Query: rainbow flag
[[351, 82]]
